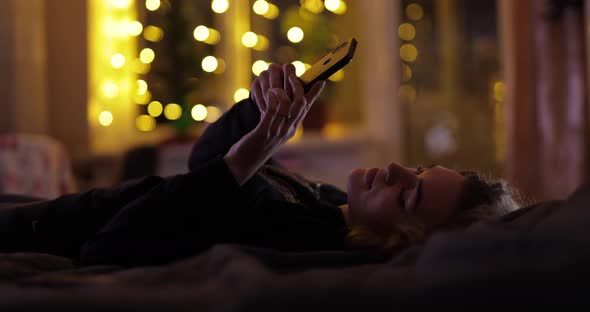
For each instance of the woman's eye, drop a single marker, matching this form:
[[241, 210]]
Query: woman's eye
[[419, 170]]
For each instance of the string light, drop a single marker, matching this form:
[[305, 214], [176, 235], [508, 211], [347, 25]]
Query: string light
[[134, 28], [295, 34], [152, 5], [299, 68], [337, 76], [110, 89], [336, 6], [118, 60], [143, 98], [261, 7], [153, 33], [262, 43], [241, 94], [105, 118], [259, 66], [209, 64], [142, 87], [249, 39], [147, 55], [408, 52], [213, 113], [407, 31], [273, 11], [145, 123], [172, 111], [199, 112], [155, 109], [414, 12], [219, 6], [314, 6], [206, 34], [120, 4]]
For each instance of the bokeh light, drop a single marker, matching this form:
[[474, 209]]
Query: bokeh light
[[145, 123], [199, 112], [172, 111], [105, 118]]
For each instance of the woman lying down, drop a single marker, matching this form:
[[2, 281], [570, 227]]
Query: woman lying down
[[235, 193]]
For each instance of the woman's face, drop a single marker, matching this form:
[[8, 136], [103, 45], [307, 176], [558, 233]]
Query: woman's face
[[379, 197]]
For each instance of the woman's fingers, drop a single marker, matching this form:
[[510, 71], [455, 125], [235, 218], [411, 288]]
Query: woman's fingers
[[256, 90], [275, 76], [315, 91], [264, 83], [288, 70]]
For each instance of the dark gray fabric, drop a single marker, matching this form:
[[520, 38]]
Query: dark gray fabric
[[535, 255]]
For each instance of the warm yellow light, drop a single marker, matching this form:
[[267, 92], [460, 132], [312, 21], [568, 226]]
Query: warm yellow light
[[414, 12], [152, 5], [172, 111], [314, 6], [408, 52], [145, 123], [147, 55], [209, 64], [206, 34], [332, 5], [406, 73], [141, 68], [118, 60], [153, 33], [220, 67], [299, 68], [295, 34], [219, 6], [241, 94], [144, 98], [259, 66], [273, 11], [213, 113], [249, 39], [201, 33], [110, 89], [260, 7], [337, 76], [142, 86], [336, 6], [199, 112], [334, 131], [105, 118], [155, 109], [120, 4], [261, 44], [407, 31], [499, 91], [297, 136], [134, 28]]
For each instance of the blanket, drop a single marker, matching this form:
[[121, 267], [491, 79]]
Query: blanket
[[536, 254]]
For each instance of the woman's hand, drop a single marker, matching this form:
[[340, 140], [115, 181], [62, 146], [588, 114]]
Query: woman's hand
[[283, 106]]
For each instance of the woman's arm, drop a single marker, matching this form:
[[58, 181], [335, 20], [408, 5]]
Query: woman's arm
[[281, 115]]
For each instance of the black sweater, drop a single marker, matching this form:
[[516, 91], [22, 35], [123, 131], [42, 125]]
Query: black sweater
[[156, 220]]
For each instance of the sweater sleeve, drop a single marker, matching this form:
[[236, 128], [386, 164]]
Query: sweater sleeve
[[172, 220], [219, 137]]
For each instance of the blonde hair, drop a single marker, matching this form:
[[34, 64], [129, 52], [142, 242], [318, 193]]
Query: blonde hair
[[482, 198]]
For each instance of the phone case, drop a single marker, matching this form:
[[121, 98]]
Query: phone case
[[329, 64]]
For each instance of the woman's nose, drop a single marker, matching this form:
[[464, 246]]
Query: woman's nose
[[400, 174]]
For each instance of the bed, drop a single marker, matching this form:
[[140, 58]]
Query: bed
[[540, 253]]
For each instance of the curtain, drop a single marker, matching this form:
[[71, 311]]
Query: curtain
[[546, 69]]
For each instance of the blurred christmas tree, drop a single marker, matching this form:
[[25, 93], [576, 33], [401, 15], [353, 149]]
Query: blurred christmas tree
[[174, 75]]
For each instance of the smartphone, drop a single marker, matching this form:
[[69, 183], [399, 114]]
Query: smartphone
[[329, 64]]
